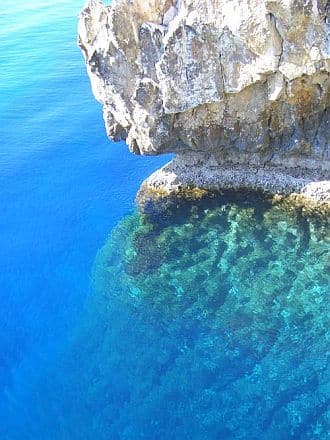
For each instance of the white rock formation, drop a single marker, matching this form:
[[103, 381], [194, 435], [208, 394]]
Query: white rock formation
[[224, 84]]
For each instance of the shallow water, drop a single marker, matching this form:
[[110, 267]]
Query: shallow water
[[227, 332], [210, 323]]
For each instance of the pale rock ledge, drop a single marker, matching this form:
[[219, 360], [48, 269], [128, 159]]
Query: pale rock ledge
[[237, 89]]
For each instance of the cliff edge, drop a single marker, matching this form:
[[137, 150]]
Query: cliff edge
[[237, 89]]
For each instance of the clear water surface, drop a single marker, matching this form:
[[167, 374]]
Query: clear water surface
[[63, 187], [210, 321]]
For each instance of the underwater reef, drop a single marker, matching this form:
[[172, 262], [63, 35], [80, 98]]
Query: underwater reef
[[233, 292], [209, 321]]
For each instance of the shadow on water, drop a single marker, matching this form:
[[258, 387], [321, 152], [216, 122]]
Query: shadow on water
[[212, 324]]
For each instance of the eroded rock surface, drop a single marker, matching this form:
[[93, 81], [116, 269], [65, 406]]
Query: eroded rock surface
[[221, 83]]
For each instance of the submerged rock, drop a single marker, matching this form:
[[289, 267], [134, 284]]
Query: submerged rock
[[237, 89], [233, 293], [235, 237], [208, 323]]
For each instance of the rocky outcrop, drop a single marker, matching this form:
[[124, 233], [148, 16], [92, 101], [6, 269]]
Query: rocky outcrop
[[226, 85]]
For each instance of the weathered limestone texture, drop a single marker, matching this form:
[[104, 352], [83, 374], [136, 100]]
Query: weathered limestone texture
[[238, 89]]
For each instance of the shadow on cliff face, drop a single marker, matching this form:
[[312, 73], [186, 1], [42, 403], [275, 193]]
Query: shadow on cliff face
[[212, 324]]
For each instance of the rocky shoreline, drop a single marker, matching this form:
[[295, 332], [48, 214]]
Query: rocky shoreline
[[238, 91], [194, 179]]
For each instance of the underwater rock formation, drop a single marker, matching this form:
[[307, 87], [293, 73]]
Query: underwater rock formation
[[238, 90], [232, 293]]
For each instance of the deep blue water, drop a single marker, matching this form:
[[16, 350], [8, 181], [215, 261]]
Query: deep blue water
[[210, 322], [63, 186]]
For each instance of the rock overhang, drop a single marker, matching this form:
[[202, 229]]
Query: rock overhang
[[235, 83]]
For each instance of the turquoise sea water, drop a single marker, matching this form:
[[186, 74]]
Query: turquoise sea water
[[211, 322]]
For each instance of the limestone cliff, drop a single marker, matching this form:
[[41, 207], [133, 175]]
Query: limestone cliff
[[238, 89]]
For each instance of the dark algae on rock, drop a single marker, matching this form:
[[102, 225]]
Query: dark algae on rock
[[233, 295]]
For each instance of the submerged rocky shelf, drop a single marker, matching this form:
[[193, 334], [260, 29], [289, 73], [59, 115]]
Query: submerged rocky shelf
[[210, 322], [237, 90], [232, 297]]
